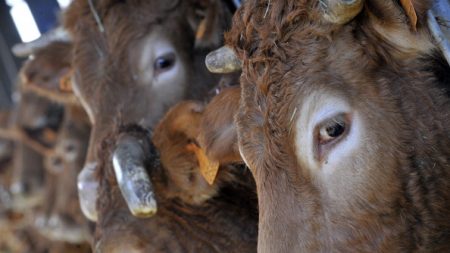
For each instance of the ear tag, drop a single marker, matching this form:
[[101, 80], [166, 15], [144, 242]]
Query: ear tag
[[208, 168], [408, 7], [201, 30], [65, 83]]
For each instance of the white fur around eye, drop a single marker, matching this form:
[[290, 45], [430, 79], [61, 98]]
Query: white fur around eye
[[316, 109], [169, 83]]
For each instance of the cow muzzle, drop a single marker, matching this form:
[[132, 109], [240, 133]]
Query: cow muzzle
[[87, 191], [132, 177]]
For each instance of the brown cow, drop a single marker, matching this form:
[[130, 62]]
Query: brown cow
[[345, 125], [192, 216], [46, 73], [134, 59], [45, 70], [63, 219], [37, 122]]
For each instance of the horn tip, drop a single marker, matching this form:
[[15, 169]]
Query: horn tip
[[222, 60], [144, 210]]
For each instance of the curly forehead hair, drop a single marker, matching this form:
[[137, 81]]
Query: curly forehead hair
[[259, 25], [262, 32], [267, 32]]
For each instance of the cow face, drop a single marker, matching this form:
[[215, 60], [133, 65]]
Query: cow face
[[47, 72], [338, 114], [136, 60], [37, 122], [63, 220]]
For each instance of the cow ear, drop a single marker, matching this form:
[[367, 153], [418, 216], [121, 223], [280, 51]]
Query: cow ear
[[402, 24], [209, 19], [218, 134], [56, 86]]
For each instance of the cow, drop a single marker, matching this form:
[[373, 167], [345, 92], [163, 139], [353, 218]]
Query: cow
[[36, 123], [344, 122], [133, 60], [192, 214], [59, 218], [62, 220], [48, 70], [47, 73]]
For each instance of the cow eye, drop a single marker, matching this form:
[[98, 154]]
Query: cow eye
[[164, 62], [69, 148], [332, 129]]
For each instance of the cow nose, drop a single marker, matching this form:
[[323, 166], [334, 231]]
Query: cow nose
[[87, 191]]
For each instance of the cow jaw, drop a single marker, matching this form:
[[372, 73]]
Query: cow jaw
[[87, 191]]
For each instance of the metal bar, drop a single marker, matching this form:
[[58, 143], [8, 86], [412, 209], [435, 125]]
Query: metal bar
[[439, 24]]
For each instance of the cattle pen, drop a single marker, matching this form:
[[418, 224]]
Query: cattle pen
[[225, 126]]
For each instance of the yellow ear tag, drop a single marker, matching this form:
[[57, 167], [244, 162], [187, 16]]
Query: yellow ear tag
[[201, 30], [410, 12], [208, 168]]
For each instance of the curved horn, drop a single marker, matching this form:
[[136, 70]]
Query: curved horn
[[341, 11], [25, 49], [87, 191], [133, 180], [223, 60]]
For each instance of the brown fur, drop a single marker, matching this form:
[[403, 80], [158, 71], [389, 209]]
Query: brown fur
[[192, 215], [289, 51], [217, 131], [63, 166], [106, 74], [40, 120], [43, 71]]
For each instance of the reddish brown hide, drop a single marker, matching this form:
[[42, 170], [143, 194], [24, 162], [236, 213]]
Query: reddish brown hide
[[192, 215], [37, 120], [345, 126], [62, 219], [138, 59]]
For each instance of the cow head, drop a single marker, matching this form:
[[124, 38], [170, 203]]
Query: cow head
[[133, 60], [63, 220], [36, 122], [341, 121]]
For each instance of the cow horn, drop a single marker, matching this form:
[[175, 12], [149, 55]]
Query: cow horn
[[341, 11], [222, 60], [25, 49], [133, 180], [87, 191]]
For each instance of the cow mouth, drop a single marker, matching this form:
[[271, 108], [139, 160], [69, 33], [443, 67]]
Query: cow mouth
[[129, 167]]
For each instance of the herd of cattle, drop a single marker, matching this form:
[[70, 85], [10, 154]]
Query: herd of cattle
[[210, 126]]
